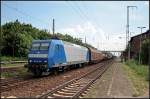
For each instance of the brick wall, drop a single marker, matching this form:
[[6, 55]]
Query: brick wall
[[135, 42]]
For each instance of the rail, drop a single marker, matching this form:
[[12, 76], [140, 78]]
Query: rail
[[76, 86], [12, 62]]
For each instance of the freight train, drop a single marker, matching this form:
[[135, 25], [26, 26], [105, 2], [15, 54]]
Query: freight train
[[53, 55]]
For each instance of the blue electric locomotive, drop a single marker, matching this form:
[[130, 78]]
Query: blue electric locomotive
[[48, 55]]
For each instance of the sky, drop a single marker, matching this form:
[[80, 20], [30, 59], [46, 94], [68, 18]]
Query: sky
[[102, 23]]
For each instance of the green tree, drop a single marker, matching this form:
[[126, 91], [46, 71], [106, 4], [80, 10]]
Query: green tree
[[145, 51], [17, 38]]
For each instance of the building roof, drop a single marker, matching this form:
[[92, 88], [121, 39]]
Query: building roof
[[147, 32]]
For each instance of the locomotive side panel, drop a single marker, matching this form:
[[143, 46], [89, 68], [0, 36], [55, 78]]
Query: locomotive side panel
[[75, 54]]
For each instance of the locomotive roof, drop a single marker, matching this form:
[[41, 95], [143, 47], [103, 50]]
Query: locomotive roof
[[34, 41], [72, 44]]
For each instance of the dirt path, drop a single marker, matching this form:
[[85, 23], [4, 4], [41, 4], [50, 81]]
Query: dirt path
[[113, 83]]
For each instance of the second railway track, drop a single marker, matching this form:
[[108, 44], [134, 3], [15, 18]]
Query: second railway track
[[8, 84], [75, 87]]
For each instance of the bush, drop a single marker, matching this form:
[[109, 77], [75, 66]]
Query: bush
[[145, 51]]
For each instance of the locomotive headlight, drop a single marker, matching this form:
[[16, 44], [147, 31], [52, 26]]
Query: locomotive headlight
[[45, 61], [30, 61]]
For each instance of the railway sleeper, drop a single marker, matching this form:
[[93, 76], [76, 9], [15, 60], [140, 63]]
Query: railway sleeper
[[77, 85], [15, 85], [66, 93], [4, 84], [59, 96], [72, 88], [5, 89], [80, 82], [50, 97], [69, 86], [84, 80], [69, 90]]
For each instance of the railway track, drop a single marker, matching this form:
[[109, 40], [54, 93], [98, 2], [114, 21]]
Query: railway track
[[8, 84], [10, 88], [75, 87], [12, 66], [10, 69]]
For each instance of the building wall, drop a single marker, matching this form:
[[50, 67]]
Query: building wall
[[135, 42]]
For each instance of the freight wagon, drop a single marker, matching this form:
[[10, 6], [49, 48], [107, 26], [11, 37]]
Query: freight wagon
[[95, 56]]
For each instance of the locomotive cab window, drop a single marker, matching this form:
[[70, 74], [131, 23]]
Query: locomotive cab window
[[44, 46], [35, 46], [40, 46]]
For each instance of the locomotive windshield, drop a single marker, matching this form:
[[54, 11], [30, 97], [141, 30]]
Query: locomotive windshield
[[35, 46], [40, 46], [44, 46]]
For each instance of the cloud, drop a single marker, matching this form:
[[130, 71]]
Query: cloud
[[87, 30], [94, 36]]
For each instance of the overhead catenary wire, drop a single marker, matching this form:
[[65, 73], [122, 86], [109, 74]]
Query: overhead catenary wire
[[76, 10], [25, 14], [81, 13], [95, 21], [85, 14]]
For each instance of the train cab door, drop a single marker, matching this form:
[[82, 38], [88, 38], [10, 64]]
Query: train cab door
[[59, 54]]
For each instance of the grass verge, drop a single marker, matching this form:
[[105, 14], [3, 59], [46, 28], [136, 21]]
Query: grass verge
[[138, 75], [13, 65], [9, 58]]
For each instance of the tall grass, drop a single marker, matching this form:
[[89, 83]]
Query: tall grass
[[141, 70]]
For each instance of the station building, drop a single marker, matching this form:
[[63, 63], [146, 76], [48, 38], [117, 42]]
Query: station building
[[135, 44]]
